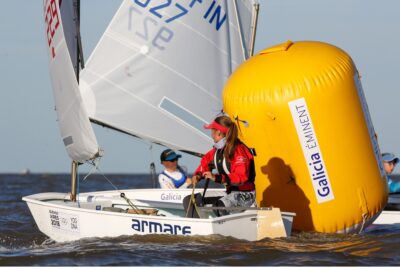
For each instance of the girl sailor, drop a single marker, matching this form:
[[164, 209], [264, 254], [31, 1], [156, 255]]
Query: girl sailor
[[234, 164]]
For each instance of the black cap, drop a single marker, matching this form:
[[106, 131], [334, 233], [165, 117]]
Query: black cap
[[168, 155]]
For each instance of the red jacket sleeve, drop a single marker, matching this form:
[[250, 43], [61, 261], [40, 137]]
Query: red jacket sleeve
[[204, 163], [240, 166]]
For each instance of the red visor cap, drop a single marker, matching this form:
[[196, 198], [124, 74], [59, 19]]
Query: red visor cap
[[216, 126]]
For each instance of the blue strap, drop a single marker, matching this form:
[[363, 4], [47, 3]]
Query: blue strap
[[179, 182]]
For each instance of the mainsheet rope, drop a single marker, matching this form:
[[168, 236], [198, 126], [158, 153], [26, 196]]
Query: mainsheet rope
[[192, 201]]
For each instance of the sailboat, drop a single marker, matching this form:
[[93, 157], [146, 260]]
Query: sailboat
[[391, 213], [156, 74]]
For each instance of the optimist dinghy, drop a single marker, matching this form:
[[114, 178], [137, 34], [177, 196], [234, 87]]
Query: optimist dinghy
[[106, 214], [157, 74]]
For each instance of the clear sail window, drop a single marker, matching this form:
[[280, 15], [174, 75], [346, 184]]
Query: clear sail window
[[184, 115]]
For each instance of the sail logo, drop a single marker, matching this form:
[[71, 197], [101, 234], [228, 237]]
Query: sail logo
[[154, 27], [311, 150], [170, 197], [64, 221], [52, 21], [54, 219], [213, 13], [145, 226]]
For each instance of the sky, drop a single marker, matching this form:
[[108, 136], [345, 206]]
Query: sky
[[368, 30]]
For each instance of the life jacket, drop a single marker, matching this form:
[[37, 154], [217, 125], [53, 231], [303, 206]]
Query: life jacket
[[223, 166], [179, 182]]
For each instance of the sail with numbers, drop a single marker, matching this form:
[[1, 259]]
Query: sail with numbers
[[60, 19], [158, 70]]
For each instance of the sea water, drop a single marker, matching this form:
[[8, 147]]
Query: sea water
[[22, 244]]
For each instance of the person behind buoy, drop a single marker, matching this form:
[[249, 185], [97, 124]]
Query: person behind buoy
[[234, 165], [389, 163]]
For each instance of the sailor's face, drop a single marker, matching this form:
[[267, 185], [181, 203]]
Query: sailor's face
[[389, 166], [171, 165], [216, 135]]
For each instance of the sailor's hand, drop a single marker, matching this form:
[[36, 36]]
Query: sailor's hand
[[209, 175], [195, 178], [188, 181]]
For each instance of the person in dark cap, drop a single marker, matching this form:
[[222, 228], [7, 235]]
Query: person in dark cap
[[173, 176], [389, 163]]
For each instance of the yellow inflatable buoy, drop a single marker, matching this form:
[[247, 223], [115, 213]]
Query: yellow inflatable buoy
[[302, 107]]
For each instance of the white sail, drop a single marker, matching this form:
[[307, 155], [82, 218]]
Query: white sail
[[76, 130], [158, 71]]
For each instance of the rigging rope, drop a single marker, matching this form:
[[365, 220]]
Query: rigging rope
[[364, 219], [95, 167], [140, 211], [192, 201], [95, 163]]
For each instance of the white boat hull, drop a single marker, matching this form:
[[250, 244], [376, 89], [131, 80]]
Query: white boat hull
[[63, 220], [388, 218], [391, 214]]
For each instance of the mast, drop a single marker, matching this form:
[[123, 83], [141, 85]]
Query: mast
[[256, 8], [240, 30], [79, 52], [79, 64], [74, 176]]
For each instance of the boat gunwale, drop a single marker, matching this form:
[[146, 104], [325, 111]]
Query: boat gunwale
[[63, 196]]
